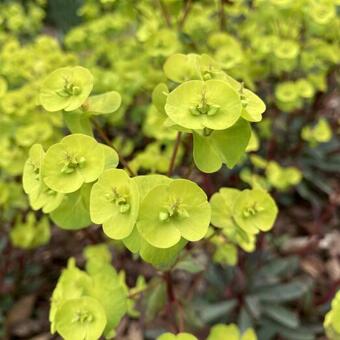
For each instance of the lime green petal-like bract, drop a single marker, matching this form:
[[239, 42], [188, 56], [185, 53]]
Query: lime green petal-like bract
[[40, 196], [66, 88], [197, 104], [77, 159], [253, 106], [169, 212], [179, 336], [115, 203], [81, 319], [255, 210]]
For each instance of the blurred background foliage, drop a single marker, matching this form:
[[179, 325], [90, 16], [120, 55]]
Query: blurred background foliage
[[286, 50]]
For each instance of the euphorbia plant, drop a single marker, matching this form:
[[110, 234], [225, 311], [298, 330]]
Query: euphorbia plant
[[77, 182]]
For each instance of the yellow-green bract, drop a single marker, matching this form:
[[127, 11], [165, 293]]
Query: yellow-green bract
[[230, 332], [40, 196], [321, 132], [242, 214], [77, 159], [159, 257], [220, 147], [197, 104], [87, 305], [179, 336], [222, 216], [114, 203], [81, 318], [30, 233], [66, 88], [172, 211]]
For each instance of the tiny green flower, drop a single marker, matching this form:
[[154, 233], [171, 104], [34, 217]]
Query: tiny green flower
[[305, 88], [66, 88], [321, 132], [30, 233], [197, 104], [322, 12], [282, 177], [255, 210], [171, 211], [286, 92], [81, 318], [114, 203], [77, 159], [287, 49]]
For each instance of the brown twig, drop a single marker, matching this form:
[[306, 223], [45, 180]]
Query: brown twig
[[106, 139], [174, 153], [172, 301]]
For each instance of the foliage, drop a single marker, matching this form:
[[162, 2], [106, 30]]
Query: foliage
[[118, 116]]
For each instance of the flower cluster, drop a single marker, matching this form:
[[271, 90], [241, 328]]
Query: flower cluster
[[211, 105], [240, 215], [91, 303]]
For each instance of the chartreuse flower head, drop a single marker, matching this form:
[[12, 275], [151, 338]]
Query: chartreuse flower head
[[87, 305], [172, 211], [230, 332], [30, 233], [80, 318], [179, 336], [77, 159], [287, 96], [161, 258], [72, 284], [282, 177], [255, 210], [66, 88], [287, 49], [319, 133], [332, 319], [114, 203], [197, 104], [40, 196], [222, 216]]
